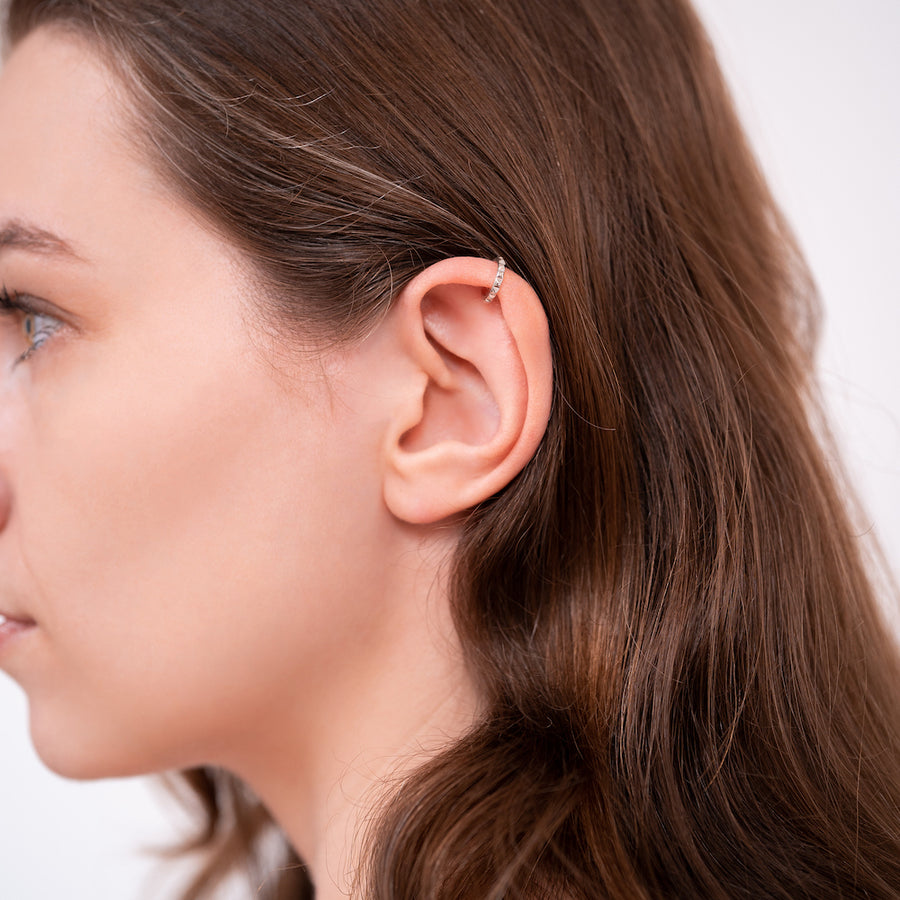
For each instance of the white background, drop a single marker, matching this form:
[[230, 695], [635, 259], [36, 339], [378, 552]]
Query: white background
[[817, 83]]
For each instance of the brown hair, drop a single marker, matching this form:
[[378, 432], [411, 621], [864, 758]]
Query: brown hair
[[690, 690]]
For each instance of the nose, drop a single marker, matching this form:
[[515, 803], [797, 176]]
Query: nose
[[5, 500]]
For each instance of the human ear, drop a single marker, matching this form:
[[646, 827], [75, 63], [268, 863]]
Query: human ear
[[478, 401]]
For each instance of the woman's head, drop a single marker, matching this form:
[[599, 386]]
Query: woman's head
[[178, 487], [291, 181]]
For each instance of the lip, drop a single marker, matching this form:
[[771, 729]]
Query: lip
[[12, 629]]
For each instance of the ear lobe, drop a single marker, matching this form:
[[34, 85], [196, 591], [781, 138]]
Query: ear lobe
[[477, 400]]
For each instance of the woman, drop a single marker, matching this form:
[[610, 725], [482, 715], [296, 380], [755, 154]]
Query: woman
[[552, 595]]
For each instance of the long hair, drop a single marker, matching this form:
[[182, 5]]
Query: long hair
[[689, 690]]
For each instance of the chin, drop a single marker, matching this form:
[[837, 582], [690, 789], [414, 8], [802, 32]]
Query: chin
[[74, 750]]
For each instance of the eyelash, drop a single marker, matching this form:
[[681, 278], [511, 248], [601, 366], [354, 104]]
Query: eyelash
[[11, 303]]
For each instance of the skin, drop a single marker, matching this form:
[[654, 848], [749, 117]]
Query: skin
[[228, 553]]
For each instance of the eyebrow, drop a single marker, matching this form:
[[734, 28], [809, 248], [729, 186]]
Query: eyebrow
[[16, 235]]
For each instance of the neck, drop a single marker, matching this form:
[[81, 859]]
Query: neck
[[323, 763]]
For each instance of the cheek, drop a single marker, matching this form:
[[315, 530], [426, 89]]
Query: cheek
[[183, 535], [120, 474]]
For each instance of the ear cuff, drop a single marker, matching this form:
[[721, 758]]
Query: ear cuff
[[498, 280]]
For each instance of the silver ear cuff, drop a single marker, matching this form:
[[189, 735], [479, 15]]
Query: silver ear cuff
[[498, 280]]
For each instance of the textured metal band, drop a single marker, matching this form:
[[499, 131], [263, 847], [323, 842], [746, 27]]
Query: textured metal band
[[498, 280]]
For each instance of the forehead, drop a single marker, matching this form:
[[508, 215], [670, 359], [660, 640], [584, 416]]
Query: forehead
[[69, 166], [71, 169], [58, 112]]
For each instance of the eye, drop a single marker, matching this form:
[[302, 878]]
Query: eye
[[36, 326]]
